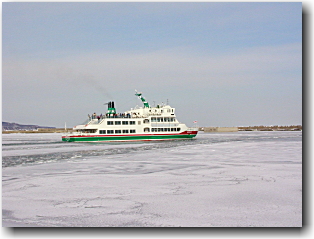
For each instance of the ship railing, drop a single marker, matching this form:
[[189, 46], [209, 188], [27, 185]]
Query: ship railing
[[93, 119], [116, 116], [96, 121]]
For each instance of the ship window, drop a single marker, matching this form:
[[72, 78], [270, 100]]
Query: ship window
[[109, 122], [146, 121], [146, 130], [158, 129], [125, 131], [132, 122], [132, 131], [102, 131], [125, 122], [178, 129], [117, 122], [109, 131], [117, 131], [172, 129], [160, 119], [154, 119]]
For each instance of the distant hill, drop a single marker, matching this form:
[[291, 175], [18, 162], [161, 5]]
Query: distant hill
[[15, 126]]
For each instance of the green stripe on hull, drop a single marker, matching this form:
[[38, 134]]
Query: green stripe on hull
[[127, 138]]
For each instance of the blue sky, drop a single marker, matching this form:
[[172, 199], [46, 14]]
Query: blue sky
[[222, 64]]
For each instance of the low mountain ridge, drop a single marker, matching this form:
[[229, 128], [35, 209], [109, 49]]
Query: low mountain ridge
[[16, 126]]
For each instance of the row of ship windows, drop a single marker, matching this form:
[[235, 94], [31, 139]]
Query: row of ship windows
[[133, 131], [119, 122], [153, 119], [165, 129], [163, 119], [118, 131]]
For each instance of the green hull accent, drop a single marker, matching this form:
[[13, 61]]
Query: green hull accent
[[128, 138]]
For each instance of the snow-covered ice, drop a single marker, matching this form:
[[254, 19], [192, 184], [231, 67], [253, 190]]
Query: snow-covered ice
[[243, 179]]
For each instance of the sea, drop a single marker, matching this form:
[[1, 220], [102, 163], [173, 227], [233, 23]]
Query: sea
[[236, 179]]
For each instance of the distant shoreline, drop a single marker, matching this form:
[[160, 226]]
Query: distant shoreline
[[38, 131], [252, 128]]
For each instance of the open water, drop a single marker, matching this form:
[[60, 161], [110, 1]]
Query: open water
[[215, 180]]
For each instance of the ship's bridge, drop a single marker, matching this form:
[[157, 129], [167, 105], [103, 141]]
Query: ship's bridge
[[161, 110]]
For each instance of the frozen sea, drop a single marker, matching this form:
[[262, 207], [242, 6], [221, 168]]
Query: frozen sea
[[242, 179]]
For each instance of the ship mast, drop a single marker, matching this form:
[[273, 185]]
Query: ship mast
[[139, 94]]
